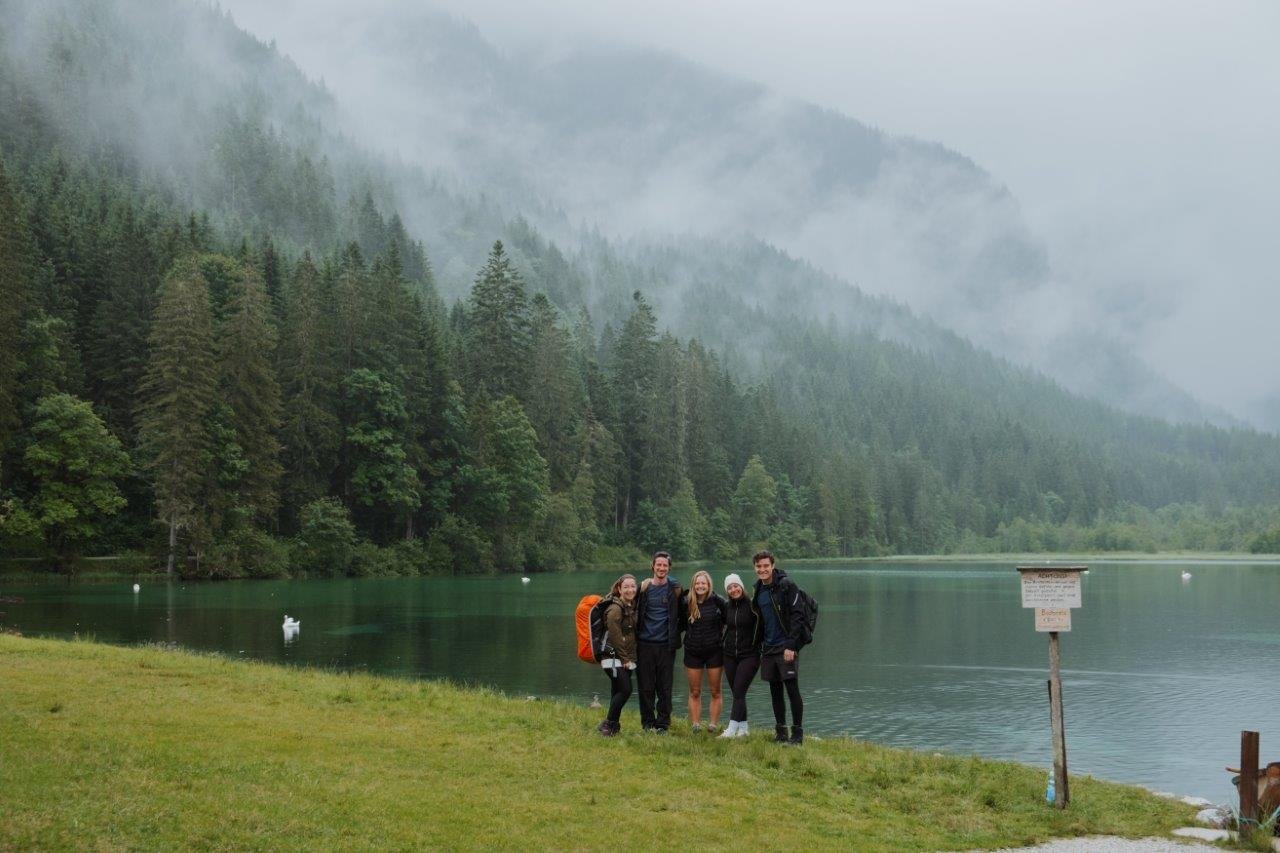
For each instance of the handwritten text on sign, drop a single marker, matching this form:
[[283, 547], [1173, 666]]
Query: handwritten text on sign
[[1056, 619], [1051, 589]]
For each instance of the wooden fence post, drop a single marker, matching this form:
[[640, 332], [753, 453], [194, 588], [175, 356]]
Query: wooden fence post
[[1248, 782]]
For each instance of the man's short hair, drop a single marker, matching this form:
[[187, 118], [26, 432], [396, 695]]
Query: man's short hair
[[763, 555], [658, 554]]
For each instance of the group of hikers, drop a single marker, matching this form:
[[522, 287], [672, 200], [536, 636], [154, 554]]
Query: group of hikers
[[732, 636]]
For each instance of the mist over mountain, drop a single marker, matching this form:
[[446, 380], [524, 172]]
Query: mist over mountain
[[155, 153], [649, 147]]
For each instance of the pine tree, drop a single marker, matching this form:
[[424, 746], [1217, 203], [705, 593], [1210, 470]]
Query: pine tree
[[311, 432], [117, 354], [556, 394], [634, 379], [247, 342], [498, 329], [17, 267], [178, 395]]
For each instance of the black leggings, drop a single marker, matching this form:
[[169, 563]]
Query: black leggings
[[780, 707], [739, 672], [620, 684]]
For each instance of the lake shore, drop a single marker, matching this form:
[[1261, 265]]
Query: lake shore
[[104, 746], [132, 567]]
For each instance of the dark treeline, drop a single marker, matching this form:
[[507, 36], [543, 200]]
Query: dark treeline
[[243, 359]]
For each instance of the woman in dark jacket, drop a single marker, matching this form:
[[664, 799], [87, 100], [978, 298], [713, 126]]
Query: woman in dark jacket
[[702, 620], [619, 660], [741, 651]]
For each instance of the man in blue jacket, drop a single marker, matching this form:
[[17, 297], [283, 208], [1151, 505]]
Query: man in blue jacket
[[777, 598], [658, 633]]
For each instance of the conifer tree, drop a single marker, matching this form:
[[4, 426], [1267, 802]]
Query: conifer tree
[[498, 329], [556, 394], [634, 380], [17, 266], [117, 352], [311, 432], [247, 342], [178, 395]]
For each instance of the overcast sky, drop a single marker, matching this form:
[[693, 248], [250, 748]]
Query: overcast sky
[[1141, 137]]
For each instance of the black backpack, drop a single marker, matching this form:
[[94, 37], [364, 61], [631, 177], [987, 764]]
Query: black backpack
[[809, 608]]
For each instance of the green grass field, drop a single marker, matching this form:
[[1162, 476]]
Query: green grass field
[[109, 748]]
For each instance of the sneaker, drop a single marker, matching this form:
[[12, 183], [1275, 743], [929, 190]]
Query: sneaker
[[660, 730], [697, 727], [797, 736], [730, 730], [607, 729], [742, 730], [780, 734], [713, 727]]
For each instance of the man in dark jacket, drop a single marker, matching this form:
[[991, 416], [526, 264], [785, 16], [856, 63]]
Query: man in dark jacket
[[782, 616], [658, 632]]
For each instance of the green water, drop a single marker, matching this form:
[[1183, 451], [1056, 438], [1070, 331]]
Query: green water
[[1160, 674]]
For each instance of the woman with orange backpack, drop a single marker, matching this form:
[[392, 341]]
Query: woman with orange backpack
[[619, 656]]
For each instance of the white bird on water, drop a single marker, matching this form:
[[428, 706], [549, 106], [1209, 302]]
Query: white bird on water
[[524, 580], [290, 622], [137, 588], [1186, 576]]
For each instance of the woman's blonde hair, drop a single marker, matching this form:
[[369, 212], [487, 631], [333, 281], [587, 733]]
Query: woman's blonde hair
[[692, 599]]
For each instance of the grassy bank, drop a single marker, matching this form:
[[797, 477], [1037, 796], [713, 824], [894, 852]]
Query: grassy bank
[[106, 747]]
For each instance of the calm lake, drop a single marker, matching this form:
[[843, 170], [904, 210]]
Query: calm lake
[[1160, 674]]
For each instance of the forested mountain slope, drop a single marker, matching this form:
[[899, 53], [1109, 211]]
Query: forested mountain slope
[[649, 147], [216, 327]]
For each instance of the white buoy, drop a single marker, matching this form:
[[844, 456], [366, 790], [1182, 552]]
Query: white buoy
[[137, 588], [524, 580]]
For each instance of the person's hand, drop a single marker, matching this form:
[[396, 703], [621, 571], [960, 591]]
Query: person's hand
[[788, 655], [631, 664]]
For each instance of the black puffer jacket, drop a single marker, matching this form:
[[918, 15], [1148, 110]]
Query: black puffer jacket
[[704, 633], [742, 628], [786, 604]]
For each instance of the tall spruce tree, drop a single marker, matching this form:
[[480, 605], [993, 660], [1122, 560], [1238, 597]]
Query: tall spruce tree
[[556, 395], [634, 378], [178, 396], [311, 432], [246, 344], [17, 268], [498, 328]]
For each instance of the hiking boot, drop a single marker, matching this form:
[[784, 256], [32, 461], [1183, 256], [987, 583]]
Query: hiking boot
[[780, 734], [608, 729], [797, 736]]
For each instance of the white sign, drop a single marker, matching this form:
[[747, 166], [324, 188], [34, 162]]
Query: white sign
[[1050, 589], [1053, 619]]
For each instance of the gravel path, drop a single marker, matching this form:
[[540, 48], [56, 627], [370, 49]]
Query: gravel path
[[1111, 844]]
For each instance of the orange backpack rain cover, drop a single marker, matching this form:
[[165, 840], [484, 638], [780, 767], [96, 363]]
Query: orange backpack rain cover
[[582, 619]]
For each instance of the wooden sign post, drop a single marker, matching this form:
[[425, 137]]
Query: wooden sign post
[[1054, 592]]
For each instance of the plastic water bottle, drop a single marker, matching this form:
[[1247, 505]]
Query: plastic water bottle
[[1049, 793]]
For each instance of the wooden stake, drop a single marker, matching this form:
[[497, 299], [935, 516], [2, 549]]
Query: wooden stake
[[1061, 795], [1248, 781]]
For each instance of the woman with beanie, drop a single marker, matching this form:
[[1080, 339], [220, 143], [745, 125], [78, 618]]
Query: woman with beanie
[[741, 651]]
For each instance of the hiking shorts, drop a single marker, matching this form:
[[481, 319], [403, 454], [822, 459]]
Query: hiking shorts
[[774, 668], [708, 659]]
